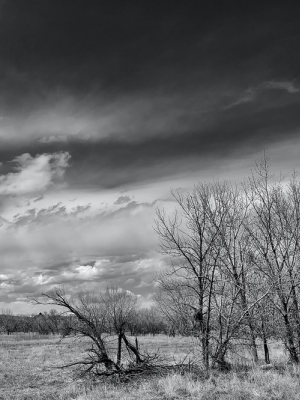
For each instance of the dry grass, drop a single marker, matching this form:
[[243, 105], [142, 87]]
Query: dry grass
[[26, 373]]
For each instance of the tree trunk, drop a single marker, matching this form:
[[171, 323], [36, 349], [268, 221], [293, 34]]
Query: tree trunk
[[265, 342], [133, 349], [202, 327], [136, 344], [248, 315], [266, 351], [290, 339], [253, 344], [205, 351], [219, 359], [109, 364], [119, 354], [297, 318]]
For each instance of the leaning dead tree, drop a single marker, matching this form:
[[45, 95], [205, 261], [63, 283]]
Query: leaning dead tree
[[99, 319], [91, 317]]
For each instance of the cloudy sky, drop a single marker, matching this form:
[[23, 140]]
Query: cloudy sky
[[106, 105]]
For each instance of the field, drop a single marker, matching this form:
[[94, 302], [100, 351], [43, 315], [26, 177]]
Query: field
[[27, 373]]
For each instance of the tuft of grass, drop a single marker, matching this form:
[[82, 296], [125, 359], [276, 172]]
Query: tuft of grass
[[256, 385]]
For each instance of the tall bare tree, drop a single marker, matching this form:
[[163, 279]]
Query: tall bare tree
[[206, 238], [274, 233], [212, 268], [235, 266]]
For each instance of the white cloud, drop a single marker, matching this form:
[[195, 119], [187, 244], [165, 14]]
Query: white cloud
[[81, 253], [252, 93], [283, 85], [34, 174]]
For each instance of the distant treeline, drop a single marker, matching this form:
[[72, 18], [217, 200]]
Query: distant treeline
[[142, 322]]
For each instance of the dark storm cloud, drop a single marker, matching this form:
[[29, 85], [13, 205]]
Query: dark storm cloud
[[112, 42], [243, 124], [242, 57], [246, 129], [116, 46]]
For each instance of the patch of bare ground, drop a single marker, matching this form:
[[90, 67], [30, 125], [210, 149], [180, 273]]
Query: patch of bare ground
[[27, 373]]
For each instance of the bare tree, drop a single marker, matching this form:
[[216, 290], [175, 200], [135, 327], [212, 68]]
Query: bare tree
[[274, 233], [204, 237], [235, 268], [91, 316], [8, 322], [190, 237], [212, 270], [88, 320]]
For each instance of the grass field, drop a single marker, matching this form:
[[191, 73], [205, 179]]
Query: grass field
[[26, 372]]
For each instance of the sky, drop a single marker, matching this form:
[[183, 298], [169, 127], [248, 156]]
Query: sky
[[105, 106]]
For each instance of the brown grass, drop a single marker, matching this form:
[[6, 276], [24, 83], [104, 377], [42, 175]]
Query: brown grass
[[27, 373]]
